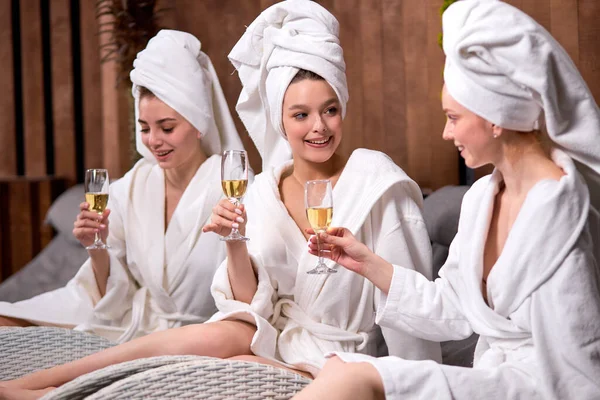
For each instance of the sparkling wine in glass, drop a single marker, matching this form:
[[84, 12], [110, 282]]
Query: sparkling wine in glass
[[96, 195], [318, 199], [234, 180]]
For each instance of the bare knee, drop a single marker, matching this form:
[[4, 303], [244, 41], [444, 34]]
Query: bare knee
[[359, 377], [222, 339]]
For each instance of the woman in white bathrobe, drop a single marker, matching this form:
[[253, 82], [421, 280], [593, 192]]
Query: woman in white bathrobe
[[158, 270], [523, 268], [270, 309]]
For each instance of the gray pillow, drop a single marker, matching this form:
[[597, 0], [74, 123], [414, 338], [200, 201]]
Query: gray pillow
[[441, 210], [51, 269], [64, 210]]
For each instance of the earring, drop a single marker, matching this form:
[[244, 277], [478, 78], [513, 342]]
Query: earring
[[495, 135]]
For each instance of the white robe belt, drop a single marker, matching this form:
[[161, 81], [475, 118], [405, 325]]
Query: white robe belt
[[291, 310]]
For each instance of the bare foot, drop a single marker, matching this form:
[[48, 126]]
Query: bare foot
[[22, 394]]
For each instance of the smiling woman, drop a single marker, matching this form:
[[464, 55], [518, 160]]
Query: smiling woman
[[311, 118], [158, 272], [173, 141], [298, 128]]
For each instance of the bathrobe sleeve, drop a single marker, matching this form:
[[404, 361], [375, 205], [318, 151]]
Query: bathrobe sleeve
[[121, 287], [566, 336], [422, 308], [403, 240]]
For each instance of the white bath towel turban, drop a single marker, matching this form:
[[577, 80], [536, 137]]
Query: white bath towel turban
[[173, 67], [286, 37]]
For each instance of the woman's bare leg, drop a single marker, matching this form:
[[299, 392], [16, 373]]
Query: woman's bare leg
[[221, 339], [8, 321], [269, 362], [344, 381], [22, 394]]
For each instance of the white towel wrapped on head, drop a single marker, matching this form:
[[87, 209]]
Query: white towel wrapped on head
[[520, 78], [173, 67], [286, 37]]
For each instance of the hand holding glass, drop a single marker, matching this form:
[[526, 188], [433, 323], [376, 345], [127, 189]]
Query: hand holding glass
[[318, 199], [96, 195], [234, 179]]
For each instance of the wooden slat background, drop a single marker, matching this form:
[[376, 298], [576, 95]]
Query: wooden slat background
[[63, 106], [60, 110], [34, 126], [93, 149], [8, 161]]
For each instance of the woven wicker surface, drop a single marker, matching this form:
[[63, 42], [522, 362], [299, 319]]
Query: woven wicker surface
[[90, 383], [213, 379], [25, 350]]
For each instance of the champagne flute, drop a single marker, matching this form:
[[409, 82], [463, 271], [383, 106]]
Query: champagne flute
[[234, 179], [318, 199], [96, 195]]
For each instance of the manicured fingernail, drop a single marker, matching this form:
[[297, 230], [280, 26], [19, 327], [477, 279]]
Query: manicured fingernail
[[238, 211], [240, 220], [102, 226], [235, 225]]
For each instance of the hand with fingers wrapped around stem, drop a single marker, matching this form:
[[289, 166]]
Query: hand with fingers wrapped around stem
[[89, 223], [339, 245], [225, 217]]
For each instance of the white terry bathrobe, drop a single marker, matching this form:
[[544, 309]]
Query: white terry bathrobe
[[300, 317], [540, 331], [158, 278]]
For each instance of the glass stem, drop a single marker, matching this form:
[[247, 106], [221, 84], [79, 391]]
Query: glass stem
[[236, 203], [96, 238], [319, 249]]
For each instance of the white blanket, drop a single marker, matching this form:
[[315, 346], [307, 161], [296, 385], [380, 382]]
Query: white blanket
[[300, 317], [540, 336], [158, 279]]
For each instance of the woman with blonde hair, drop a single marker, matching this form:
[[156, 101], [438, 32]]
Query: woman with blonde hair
[[523, 268], [158, 270]]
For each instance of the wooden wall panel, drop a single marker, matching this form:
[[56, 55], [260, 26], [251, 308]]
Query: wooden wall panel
[[394, 88], [414, 32], [564, 23], [5, 260], [350, 26], [62, 90], [117, 106], [227, 24], [8, 161], [91, 87], [34, 125], [394, 69], [167, 18], [371, 35], [589, 45], [443, 156], [20, 224]]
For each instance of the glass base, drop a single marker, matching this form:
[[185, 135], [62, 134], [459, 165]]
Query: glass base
[[320, 269], [99, 245], [234, 237]]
